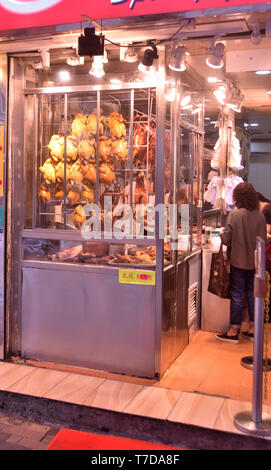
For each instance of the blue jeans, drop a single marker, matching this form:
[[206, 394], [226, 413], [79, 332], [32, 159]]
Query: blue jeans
[[242, 286]]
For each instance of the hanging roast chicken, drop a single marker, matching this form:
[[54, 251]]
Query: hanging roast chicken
[[79, 125], [116, 125], [144, 141], [48, 171]]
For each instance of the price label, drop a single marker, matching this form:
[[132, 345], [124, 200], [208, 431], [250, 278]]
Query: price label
[[136, 276]]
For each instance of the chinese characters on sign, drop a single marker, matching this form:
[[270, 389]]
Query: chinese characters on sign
[[136, 276]]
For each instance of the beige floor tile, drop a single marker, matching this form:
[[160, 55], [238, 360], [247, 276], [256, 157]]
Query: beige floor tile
[[225, 419], [12, 373], [193, 408], [74, 388], [153, 402], [113, 395], [39, 382]]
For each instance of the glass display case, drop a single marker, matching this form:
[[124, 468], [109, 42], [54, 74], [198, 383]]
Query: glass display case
[[111, 186]]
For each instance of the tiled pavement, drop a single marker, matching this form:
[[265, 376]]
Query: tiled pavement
[[205, 387], [18, 433]]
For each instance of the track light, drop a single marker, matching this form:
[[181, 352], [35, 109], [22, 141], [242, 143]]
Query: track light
[[146, 66], [89, 44], [256, 34], [178, 56], [216, 59], [75, 60], [97, 68], [131, 56]]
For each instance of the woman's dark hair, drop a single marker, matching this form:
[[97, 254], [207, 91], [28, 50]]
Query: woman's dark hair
[[262, 198], [245, 197]]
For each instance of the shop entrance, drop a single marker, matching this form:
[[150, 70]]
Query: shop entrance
[[178, 316]]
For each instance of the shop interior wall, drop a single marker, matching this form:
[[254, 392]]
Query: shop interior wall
[[260, 164]]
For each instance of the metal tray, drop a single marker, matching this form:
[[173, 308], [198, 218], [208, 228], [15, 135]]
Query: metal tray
[[131, 265]]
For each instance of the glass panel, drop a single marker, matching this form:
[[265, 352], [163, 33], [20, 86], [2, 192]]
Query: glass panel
[[85, 146], [63, 251], [184, 190]]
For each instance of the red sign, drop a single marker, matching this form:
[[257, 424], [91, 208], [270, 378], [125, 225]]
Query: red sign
[[16, 14]]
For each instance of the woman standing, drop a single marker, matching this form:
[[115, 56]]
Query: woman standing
[[243, 226]]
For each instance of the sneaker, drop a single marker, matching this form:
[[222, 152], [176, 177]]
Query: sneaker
[[228, 339], [247, 335]]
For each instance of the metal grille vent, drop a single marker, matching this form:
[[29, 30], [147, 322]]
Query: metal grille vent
[[193, 297]]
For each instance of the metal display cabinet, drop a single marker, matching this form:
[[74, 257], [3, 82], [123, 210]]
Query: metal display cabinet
[[74, 310]]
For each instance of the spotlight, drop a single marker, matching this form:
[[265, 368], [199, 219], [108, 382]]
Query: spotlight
[[64, 76], [185, 101], [216, 60], [221, 93], [131, 56], [89, 44], [177, 61], [256, 35], [97, 68], [75, 60], [150, 54]]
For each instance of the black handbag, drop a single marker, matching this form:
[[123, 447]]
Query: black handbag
[[219, 281]]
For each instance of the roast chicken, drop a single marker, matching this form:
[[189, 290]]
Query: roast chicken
[[44, 193], [59, 169], [116, 125], [89, 172], [78, 216], [71, 148], [79, 125], [120, 149], [59, 192], [92, 123], [76, 172], [86, 149], [106, 174], [140, 189], [48, 171], [88, 194], [105, 148], [56, 147], [144, 141], [73, 195]]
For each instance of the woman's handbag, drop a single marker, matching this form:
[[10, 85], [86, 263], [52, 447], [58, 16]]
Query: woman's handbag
[[219, 281]]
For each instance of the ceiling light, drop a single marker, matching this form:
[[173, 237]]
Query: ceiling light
[[97, 68], [216, 59], [256, 35], [37, 64], [146, 66], [115, 81], [269, 92], [131, 56], [64, 76], [207, 119], [213, 122], [263, 72], [75, 60], [185, 100], [253, 124], [178, 56], [246, 124], [220, 93], [212, 79]]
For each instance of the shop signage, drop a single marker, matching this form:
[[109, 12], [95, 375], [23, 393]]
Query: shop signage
[[136, 276], [16, 14]]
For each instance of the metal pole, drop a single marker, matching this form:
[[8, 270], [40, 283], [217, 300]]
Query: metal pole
[[256, 422]]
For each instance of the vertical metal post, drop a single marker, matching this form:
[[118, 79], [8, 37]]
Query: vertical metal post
[[256, 422], [35, 151], [130, 152], [97, 190], [65, 156]]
